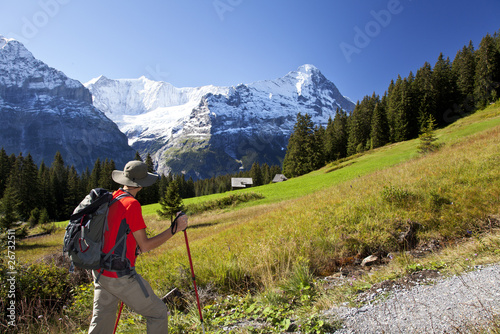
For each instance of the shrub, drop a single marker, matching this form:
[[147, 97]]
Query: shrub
[[397, 196], [39, 290], [300, 284], [223, 202], [436, 201]]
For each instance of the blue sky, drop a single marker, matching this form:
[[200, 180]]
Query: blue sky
[[360, 45]]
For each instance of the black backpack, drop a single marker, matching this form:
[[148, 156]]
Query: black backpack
[[84, 235]]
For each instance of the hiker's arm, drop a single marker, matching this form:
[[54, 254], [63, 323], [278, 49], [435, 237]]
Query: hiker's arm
[[146, 244]]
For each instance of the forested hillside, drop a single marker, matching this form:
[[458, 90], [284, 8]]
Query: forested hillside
[[443, 93], [40, 194]]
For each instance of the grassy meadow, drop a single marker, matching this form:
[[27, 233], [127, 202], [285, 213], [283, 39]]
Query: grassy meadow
[[271, 254]]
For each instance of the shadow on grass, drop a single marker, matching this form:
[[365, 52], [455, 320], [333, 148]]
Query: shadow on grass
[[31, 246], [203, 225]]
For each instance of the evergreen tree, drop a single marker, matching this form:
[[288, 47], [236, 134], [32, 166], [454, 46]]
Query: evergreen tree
[[318, 148], [403, 113], [360, 124], [149, 194], [266, 173], [28, 187], [256, 174], [96, 175], [273, 170], [413, 107], [85, 181], [12, 204], [137, 156], [75, 194], [46, 196], [5, 166], [446, 97], [487, 76], [380, 128], [9, 218], [59, 187], [299, 150], [426, 92], [464, 69], [355, 138], [163, 185], [13, 189], [34, 218], [393, 108], [190, 189], [427, 137], [105, 179], [328, 143], [340, 135], [171, 203], [402, 109], [44, 217]]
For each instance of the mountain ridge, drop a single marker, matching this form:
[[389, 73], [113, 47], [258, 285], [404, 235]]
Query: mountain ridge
[[198, 131], [235, 125], [43, 112]]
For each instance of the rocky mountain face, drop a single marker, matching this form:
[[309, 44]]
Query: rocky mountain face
[[207, 131], [199, 131], [43, 111]]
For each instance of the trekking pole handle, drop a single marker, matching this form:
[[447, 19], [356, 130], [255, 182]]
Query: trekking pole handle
[[173, 226]]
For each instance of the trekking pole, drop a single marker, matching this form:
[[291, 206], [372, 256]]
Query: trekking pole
[[194, 282], [118, 317]]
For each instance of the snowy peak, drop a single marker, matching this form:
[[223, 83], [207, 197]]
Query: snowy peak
[[306, 73], [167, 122], [20, 68], [307, 68], [4, 41], [119, 97], [43, 111]]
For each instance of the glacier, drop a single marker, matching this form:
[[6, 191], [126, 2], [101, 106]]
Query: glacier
[[235, 125]]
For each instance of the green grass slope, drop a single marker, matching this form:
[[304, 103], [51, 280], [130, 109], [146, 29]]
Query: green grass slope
[[316, 224], [340, 213]]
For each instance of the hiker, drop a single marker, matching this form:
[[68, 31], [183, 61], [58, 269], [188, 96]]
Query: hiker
[[121, 283]]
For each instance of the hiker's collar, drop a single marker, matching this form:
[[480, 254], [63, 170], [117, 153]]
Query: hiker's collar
[[128, 192]]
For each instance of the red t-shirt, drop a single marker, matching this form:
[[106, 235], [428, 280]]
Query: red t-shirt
[[128, 209]]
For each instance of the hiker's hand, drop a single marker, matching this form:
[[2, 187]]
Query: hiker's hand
[[182, 221]]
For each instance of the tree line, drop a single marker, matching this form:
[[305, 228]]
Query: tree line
[[39, 194], [440, 94]]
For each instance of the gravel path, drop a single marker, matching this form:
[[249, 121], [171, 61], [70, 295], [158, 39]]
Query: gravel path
[[458, 304]]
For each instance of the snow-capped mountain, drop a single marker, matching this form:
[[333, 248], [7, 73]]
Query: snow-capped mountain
[[209, 130], [43, 111]]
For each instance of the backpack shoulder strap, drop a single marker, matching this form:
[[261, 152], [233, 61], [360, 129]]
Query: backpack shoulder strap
[[119, 197], [121, 239]]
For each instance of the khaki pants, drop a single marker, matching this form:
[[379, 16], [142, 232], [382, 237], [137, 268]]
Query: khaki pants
[[109, 291]]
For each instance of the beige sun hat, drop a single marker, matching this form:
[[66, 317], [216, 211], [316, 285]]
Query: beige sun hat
[[135, 174]]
